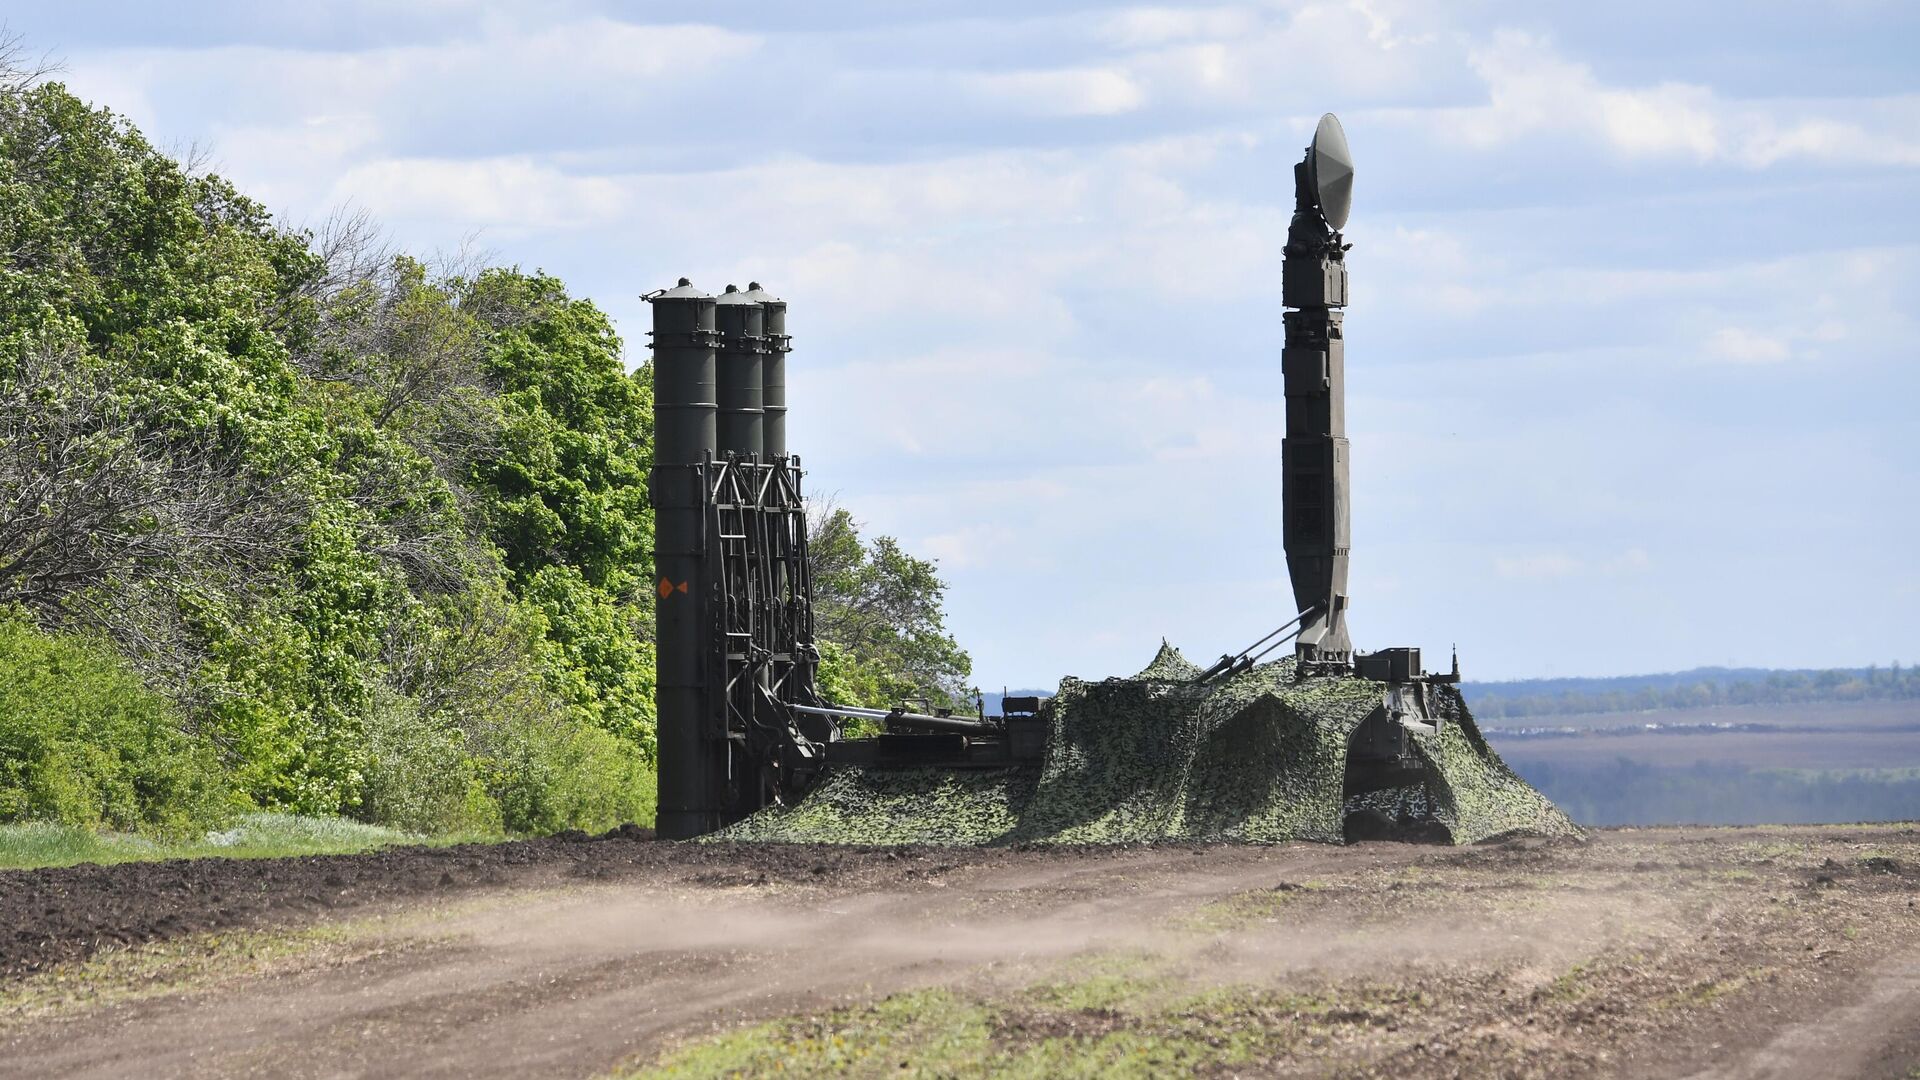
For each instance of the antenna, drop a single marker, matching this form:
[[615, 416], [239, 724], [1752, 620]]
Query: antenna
[[1330, 171]]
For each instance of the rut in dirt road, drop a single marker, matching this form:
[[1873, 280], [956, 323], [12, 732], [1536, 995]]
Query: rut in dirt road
[[1640, 953], [568, 984]]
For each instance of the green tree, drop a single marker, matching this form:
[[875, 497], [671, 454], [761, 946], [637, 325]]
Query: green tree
[[878, 613], [83, 741], [564, 496], [285, 475]]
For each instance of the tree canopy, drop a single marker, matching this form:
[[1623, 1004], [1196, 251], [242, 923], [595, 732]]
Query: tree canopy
[[347, 532], [369, 525], [878, 613]]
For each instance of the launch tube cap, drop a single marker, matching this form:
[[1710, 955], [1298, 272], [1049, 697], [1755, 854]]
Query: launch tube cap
[[683, 290]]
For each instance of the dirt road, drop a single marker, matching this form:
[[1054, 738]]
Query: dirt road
[[1722, 953]]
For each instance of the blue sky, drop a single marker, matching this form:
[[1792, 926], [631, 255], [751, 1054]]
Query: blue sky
[[1632, 357]]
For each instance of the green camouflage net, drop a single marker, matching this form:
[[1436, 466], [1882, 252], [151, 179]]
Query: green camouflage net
[[1258, 758]]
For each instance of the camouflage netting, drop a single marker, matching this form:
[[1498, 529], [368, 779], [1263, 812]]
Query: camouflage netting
[[1256, 758]]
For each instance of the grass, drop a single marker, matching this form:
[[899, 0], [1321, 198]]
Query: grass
[[1572, 984], [204, 961], [1708, 991], [35, 844], [165, 966], [1108, 1024], [1774, 850], [1239, 910], [220, 958]]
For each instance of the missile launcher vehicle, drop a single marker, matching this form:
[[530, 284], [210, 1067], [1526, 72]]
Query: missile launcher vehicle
[[1324, 743]]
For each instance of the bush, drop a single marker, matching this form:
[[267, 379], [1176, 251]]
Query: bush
[[419, 776], [469, 735], [84, 742], [548, 774]]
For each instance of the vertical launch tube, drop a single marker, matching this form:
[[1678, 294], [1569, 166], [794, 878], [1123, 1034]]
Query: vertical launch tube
[[692, 764], [773, 400], [740, 368], [773, 371]]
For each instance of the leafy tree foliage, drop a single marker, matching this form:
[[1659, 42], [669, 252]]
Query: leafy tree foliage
[[878, 615], [374, 530], [564, 496], [342, 532], [83, 741]]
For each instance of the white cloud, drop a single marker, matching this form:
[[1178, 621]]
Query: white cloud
[[1630, 561], [1533, 89], [564, 66], [1072, 92], [1034, 309], [970, 546], [603, 48], [1542, 566], [1555, 565], [1434, 270], [1270, 60], [1142, 27], [1741, 346], [1767, 140], [509, 194], [1670, 119]]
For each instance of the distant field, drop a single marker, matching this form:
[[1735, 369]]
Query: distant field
[[1861, 735], [1724, 765], [1824, 750], [1826, 715]]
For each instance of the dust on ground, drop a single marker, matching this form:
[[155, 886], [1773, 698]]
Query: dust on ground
[[1712, 952]]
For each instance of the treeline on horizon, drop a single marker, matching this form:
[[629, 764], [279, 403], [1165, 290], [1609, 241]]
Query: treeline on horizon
[[1698, 688], [293, 521]]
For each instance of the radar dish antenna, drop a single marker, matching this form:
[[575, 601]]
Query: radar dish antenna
[[1330, 171]]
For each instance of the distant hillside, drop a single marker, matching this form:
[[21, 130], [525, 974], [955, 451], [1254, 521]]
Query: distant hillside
[[1696, 688]]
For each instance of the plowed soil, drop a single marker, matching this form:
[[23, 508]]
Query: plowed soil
[[1682, 952]]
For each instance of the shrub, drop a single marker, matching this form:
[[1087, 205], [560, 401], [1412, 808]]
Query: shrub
[[471, 735], [549, 773], [419, 776], [84, 742]]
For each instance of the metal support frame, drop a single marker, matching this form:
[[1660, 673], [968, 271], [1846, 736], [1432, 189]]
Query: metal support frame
[[761, 657]]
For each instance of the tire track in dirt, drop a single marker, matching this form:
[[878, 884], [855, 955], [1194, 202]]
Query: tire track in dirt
[[1651, 952], [1877, 1034], [569, 985]]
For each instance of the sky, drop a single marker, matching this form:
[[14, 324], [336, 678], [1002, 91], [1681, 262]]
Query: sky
[[1632, 379]]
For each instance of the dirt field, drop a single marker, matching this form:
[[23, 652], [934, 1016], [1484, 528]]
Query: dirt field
[[1684, 952]]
